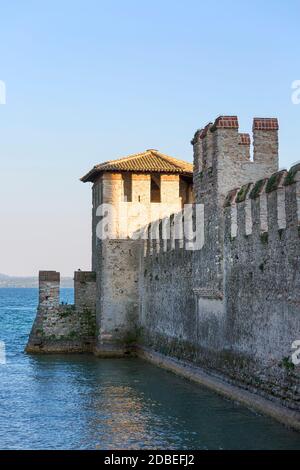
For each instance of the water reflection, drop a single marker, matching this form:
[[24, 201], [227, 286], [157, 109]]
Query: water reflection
[[81, 402]]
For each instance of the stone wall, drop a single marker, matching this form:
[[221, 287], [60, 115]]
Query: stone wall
[[64, 328], [220, 165], [117, 296], [262, 283], [243, 327], [232, 307], [167, 308]]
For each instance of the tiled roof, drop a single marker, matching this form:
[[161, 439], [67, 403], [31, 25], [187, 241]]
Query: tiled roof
[[146, 162]]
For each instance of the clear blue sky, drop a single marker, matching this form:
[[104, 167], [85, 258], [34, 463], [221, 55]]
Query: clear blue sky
[[89, 81]]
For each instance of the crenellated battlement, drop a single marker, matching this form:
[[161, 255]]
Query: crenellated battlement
[[182, 231], [265, 139], [244, 146], [49, 284], [164, 235], [49, 289], [221, 151], [64, 328], [267, 206]]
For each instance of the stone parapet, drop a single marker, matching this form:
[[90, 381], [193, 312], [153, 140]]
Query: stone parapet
[[64, 328]]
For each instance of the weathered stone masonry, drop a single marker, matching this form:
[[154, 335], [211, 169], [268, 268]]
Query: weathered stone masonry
[[231, 308], [243, 329], [64, 328], [116, 260]]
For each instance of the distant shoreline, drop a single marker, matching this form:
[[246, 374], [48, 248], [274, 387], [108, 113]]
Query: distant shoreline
[[29, 282], [32, 287]]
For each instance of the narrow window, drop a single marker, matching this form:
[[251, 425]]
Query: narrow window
[[127, 180], [155, 188]]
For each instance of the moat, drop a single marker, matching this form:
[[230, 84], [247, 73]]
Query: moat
[[81, 402]]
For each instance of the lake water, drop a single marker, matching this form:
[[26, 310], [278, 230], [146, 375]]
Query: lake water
[[81, 402]]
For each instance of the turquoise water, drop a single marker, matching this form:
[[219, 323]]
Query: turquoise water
[[81, 402]]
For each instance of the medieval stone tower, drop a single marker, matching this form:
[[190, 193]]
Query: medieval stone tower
[[137, 189], [222, 162]]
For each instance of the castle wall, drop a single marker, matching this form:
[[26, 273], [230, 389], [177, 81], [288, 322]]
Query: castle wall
[[244, 331], [232, 307], [262, 284], [167, 306], [64, 328], [222, 166], [117, 296]]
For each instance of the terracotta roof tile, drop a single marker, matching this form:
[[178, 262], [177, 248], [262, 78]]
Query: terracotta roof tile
[[146, 162], [265, 124], [226, 122], [244, 139]]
